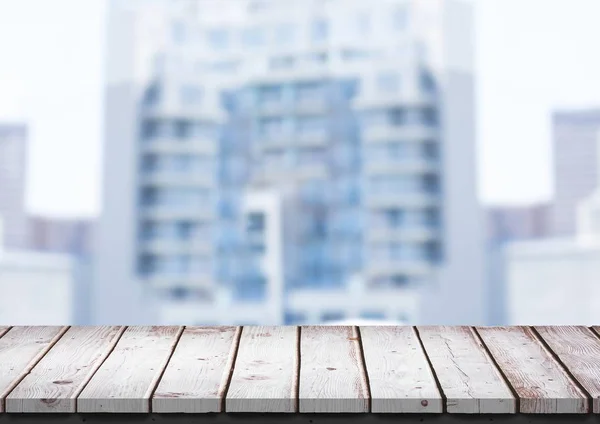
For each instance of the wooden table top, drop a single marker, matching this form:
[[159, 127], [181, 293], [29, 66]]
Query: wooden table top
[[437, 370]]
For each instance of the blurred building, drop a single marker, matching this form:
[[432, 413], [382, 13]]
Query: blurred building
[[575, 167], [60, 235], [37, 288], [508, 223], [357, 118], [13, 172], [555, 281]]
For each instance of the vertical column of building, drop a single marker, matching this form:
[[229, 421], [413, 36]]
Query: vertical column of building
[[180, 132]]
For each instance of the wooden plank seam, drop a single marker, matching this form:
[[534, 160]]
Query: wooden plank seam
[[231, 365], [561, 364], [499, 368], [162, 372], [364, 367], [110, 350], [435, 377]]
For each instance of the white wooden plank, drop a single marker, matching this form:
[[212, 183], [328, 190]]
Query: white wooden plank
[[265, 378], [400, 378], [539, 381], [579, 350], [20, 349], [467, 375], [332, 376], [198, 372], [57, 379], [126, 380]]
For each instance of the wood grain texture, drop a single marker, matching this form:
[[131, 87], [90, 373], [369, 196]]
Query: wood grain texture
[[126, 380], [198, 372], [20, 349], [467, 375], [399, 375], [579, 350], [332, 376], [57, 379], [542, 385], [265, 378]]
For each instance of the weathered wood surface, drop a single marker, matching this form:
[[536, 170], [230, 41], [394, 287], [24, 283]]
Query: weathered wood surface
[[578, 348], [197, 375], [56, 381], [126, 380], [265, 378], [20, 349], [399, 375], [312, 369], [332, 376], [467, 375], [542, 384]]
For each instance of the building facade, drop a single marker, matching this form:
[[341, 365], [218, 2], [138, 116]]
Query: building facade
[[359, 118], [575, 167], [508, 223], [13, 172]]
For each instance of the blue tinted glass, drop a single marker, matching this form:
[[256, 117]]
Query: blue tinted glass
[[218, 39], [319, 30]]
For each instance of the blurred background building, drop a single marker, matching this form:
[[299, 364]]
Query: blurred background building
[[574, 135], [359, 123], [558, 271], [13, 171]]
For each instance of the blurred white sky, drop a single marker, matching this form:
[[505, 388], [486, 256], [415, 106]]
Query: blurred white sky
[[533, 56]]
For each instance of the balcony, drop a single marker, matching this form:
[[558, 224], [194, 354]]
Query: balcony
[[191, 281], [196, 213], [519, 374], [171, 246], [177, 179], [379, 101], [411, 165], [399, 199], [167, 145], [315, 139], [389, 267], [386, 133], [409, 234], [316, 171]]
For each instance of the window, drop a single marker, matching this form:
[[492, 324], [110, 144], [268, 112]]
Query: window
[[394, 217], [253, 37], [256, 222], [429, 116], [271, 127], [218, 39], [397, 117], [388, 82], [179, 293], [354, 55], [318, 58], [311, 125], [183, 129], [311, 156], [373, 315], [427, 82], [294, 318], [282, 62], [319, 30], [332, 316], [310, 91], [270, 94], [190, 95]]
